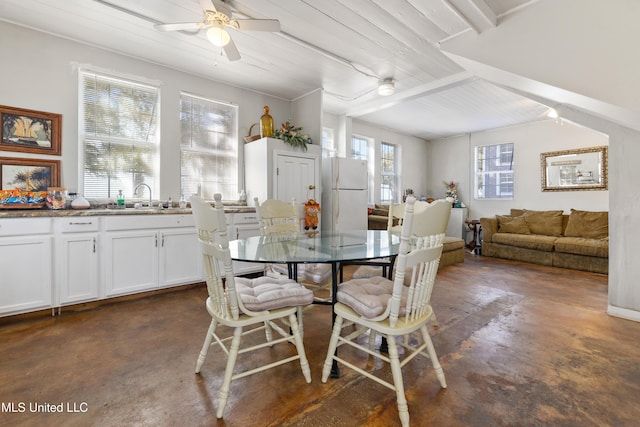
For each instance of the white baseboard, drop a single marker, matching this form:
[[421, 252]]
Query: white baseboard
[[623, 313]]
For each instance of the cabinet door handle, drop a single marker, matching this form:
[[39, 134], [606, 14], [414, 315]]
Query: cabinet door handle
[[80, 223], [156, 240], [162, 241], [94, 245]]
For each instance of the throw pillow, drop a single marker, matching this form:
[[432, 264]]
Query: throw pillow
[[512, 224], [546, 223], [590, 225], [518, 212]]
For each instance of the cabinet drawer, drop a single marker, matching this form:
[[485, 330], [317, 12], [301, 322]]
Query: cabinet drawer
[[140, 222], [77, 224], [22, 226], [245, 218]]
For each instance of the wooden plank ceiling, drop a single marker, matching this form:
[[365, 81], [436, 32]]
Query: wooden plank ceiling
[[342, 46]]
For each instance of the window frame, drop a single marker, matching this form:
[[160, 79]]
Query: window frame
[[394, 174], [358, 153], [504, 178]]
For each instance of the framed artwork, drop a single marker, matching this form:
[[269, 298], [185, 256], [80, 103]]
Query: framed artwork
[[29, 174], [30, 131]]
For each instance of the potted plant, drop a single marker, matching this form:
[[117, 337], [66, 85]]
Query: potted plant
[[292, 135]]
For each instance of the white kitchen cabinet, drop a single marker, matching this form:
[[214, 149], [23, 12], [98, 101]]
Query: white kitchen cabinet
[[456, 227], [76, 259], [146, 252], [26, 264], [276, 170], [180, 259]]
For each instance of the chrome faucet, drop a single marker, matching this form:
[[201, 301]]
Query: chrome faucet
[[135, 192]]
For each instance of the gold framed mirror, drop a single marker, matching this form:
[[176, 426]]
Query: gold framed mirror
[[575, 170]]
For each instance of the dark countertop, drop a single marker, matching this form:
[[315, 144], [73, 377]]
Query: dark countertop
[[51, 213]]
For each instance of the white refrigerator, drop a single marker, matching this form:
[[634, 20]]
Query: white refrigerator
[[345, 194]]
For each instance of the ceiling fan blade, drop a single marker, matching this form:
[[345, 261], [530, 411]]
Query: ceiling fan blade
[[272, 25], [231, 51], [180, 26], [208, 5]]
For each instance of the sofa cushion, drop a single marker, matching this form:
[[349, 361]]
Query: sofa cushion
[[582, 246], [528, 241], [546, 223], [452, 244], [512, 224], [518, 212], [590, 225], [380, 212]]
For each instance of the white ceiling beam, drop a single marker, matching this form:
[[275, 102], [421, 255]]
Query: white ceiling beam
[[475, 13], [461, 15], [416, 92], [553, 96], [485, 13]]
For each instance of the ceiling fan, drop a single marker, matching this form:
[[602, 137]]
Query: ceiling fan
[[217, 16]]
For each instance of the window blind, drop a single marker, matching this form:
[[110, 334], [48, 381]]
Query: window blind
[[120, 135], [208, 147]]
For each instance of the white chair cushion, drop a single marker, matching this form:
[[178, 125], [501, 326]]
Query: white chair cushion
[[266, 293], [281, 268], [365, 271], [369, 297], [317, 273]]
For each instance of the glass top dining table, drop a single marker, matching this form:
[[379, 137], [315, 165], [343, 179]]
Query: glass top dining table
[[316, 247], [319, 247], [334, 248]]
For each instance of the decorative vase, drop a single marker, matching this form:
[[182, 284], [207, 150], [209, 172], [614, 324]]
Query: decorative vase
[[266, 123]]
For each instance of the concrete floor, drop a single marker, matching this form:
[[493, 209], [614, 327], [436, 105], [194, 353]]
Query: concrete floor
[[520, 345]]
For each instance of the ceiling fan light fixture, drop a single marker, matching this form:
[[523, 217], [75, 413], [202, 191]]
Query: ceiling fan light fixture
[[386, 87], [218, 36]]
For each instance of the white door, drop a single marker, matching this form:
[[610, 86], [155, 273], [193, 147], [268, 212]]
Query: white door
[[294, 175]]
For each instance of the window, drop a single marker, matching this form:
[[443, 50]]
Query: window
[[388, 173], [119, 122], [359, 147], [494, 172], [208, 147], [328, 144]]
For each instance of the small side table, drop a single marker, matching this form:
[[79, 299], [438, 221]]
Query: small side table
[[474, 226]]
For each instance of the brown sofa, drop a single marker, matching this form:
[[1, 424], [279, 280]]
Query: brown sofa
[[378, 218], [579, 240]]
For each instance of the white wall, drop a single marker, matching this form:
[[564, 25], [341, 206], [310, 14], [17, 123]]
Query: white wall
[[452, 159], [43, 76], [307, 112]]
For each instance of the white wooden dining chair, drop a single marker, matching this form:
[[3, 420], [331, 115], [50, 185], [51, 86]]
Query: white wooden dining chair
[[276, 217], [393, 309], [384, 266], [244, 305]]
